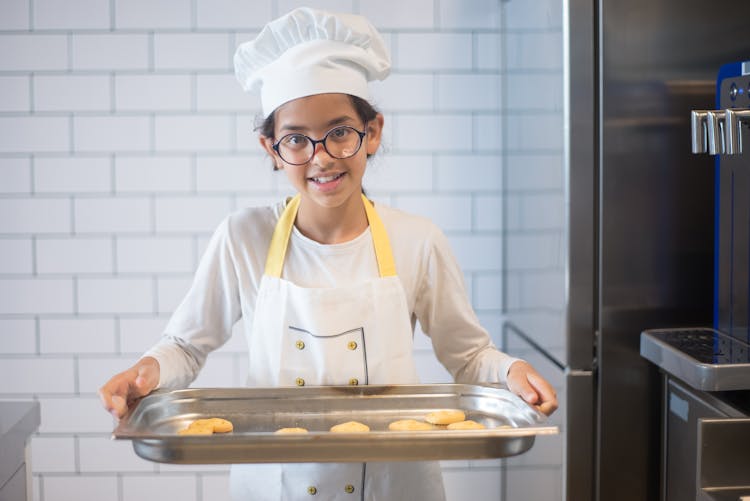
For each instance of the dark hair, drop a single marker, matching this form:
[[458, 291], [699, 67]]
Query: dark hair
[[365, 111]]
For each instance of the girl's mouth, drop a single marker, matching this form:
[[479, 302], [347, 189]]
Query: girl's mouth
[[326, 179]]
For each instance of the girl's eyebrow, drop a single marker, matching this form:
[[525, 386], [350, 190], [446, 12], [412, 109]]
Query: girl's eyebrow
[[331, 123]]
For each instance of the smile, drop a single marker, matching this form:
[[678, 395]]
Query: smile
[[326, 179]]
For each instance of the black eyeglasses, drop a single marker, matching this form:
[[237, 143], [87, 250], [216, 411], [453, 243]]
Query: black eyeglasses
[[340, 142]]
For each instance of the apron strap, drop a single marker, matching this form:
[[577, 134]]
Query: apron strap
[[280, 239]]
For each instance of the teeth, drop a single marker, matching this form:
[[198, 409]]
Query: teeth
[[326, 179]]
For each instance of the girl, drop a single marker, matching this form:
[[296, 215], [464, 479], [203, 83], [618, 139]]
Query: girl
[[330, 284]]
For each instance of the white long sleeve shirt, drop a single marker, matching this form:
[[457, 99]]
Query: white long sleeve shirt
[[226, 284]]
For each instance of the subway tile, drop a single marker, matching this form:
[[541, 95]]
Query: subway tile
[[534, 91], [429, 370], [53, 454], [433, 51], [478, 252], [246, 137], [155, 255], [192, 133], [110, 52], [533, 15], [534, 483], [534, 171], [534, 50], [399, 173], [33, 52], [17, 336], [490, 51], [404, 92], [219, 92], [36, 375], [15, 15], [233, 173], [482, 14], [546, 451], [95, 371], [538, 131], [35, 215], [489, 212], [215, 486], [544, 290], [16, 256], [469, 173], [394, 14], [171, 292], [152, 92], [193, 51], [232, 14], [543, 211], [488, 291], [219, 372], [111, 133], [139, 334], [15, 175], [67, 488], [329, 5], [450, 213], [15, 94], [71, 14], [153, 14], [434, 132], [468, 92], [159, 487], [73, 414], [488, 133], [534, 251], [72, 174], [36, 295], [112, 215], [153, 174], [74, 255], [192, 214], [76, 335], [115, 295], [34, 134], [102, 454], [485, 484]]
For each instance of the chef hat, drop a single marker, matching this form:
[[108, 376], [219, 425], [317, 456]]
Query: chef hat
[[308, 52]]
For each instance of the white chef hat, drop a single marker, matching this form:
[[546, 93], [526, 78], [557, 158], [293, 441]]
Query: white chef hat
[[308, 52]]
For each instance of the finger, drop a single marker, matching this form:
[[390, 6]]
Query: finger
[[119, 406], [547, 408]]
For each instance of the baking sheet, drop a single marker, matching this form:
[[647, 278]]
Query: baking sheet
[[257, 413]]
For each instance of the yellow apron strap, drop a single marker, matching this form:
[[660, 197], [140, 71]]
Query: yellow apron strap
[[383, 253], [280, 240]]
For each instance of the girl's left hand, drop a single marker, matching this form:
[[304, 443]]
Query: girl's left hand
[[526, 382]]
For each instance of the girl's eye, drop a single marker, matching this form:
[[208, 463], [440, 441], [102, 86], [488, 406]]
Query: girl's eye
[[339, 133], [294, 140]]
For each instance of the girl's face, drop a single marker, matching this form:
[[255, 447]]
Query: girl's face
[[327, 181]]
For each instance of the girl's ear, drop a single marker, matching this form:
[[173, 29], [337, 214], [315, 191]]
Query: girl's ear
[[267, 144], [374, 134]]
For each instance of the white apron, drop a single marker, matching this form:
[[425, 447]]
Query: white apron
[[359, 334]]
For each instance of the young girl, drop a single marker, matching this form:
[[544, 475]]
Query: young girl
[[330, 284]]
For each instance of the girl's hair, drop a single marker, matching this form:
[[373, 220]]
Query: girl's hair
[[365, 111]]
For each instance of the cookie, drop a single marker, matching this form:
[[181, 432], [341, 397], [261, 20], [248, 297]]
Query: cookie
[[221, 425], [466, 425], [207, 426], [410, 425], [283, 431], [446, 416], [350, 427]]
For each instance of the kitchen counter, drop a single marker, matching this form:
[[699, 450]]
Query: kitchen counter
[[18, 420]]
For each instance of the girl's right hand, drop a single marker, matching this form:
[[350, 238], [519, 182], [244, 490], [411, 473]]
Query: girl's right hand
[[119, 393]]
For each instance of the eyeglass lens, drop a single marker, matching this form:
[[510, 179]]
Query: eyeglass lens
[[340, 142]]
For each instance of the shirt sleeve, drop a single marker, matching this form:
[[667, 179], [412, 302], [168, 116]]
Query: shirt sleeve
[[442, 307], [203, 321]]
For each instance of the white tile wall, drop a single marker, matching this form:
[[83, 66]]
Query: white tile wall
[[124, 140]]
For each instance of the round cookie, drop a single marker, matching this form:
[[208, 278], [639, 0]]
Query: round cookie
[[197, 428], [446, 416], [410, 425], [221, 425], [350, 427], [284, 431], [466, 425]]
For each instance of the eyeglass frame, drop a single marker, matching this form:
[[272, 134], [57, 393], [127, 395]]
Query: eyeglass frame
[[315, 142]]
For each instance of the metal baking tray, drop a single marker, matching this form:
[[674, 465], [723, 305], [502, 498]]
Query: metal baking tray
[[257, 413]]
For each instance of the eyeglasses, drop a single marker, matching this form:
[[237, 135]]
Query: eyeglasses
[[340, 142]]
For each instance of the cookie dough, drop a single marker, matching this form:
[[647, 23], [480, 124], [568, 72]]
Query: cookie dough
[[466, 425], [350, 427], [284, 431], [446, 416], [410, 425]]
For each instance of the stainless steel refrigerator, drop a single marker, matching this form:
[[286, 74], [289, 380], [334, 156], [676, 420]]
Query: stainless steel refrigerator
[[639, 230]]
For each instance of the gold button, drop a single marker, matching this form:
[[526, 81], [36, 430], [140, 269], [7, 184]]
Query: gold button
[[300, 344], [300, 381], [354, 381], [352, 345], [312, 490], [349, 488]]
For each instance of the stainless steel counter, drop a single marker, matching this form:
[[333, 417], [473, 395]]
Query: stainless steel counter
[[18, 421]]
